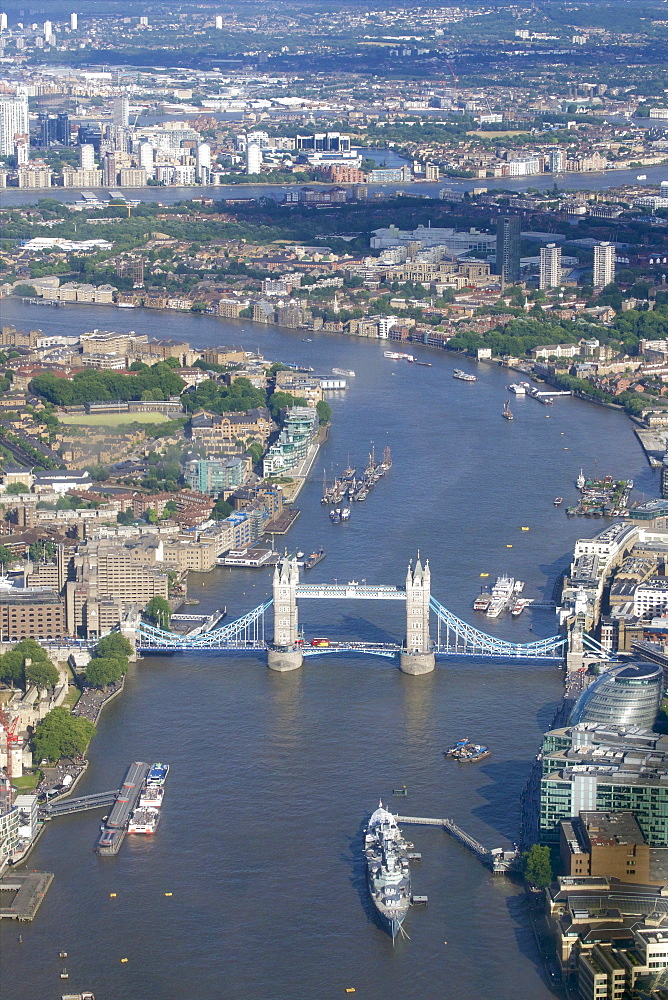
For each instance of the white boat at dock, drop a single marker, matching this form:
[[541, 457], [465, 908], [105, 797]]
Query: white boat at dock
[[503, 594], [519, 388], [398, 356], [144, 820]]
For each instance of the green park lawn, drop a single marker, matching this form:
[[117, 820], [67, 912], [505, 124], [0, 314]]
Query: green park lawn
[[110, 419], [28, 782]]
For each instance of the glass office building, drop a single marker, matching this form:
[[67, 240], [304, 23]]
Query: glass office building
[[624, 696], [600, 766]]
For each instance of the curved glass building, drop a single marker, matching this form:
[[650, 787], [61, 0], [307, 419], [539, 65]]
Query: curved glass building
[[623, 696]]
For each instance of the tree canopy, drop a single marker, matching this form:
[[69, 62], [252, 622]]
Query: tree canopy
[[42, 674], [60, 734], [158, 611], [107, 386], [537, 865], [236, 398], [324, 412], [40, 671], [114, 645], [11, 667], [281, 400], [104, 670]]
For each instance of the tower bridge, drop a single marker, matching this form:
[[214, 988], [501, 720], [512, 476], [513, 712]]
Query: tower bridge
[[287, 648]]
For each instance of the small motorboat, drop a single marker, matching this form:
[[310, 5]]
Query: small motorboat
[[558, 501]]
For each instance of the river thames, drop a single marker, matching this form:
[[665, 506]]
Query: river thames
[[272, 775], [574, 180]]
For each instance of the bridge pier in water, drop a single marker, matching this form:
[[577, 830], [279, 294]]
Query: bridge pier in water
[[417, 656], [285, 651]]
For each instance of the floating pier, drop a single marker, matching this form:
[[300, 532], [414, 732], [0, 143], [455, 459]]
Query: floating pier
[[498, 859], [116, 825]]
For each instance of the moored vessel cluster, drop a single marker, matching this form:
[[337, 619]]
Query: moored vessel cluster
[[606, 497], [146, 816], [349, 487], [465, 751], [503, 595]]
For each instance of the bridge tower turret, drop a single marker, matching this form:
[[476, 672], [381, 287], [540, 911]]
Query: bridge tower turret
[[285, 652], [417, 656]]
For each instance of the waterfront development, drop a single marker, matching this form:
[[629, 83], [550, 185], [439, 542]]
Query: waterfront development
[[258, 757]]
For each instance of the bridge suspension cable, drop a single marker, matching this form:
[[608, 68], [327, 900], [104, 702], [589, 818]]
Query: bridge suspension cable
[[456, 637], [247, 632]]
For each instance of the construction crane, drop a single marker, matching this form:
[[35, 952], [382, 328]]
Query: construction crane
[[11, 739], [454, 80]]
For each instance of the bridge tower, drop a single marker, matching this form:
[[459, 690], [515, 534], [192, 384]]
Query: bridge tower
[[285, 653], [417, 656]]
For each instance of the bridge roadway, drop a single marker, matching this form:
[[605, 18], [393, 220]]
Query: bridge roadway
[[96, 801], [158, 644], [351, 591]]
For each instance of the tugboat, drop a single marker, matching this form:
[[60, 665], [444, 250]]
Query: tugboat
[[387, 866], [507, 412]]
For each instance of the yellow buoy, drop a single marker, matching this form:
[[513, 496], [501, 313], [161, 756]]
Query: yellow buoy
[[484, 574], [112, 895], [509, 546], [526, 529], [168, 894], [124, 960]]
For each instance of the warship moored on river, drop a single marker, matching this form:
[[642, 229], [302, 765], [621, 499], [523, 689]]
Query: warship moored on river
[[387, 866]]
